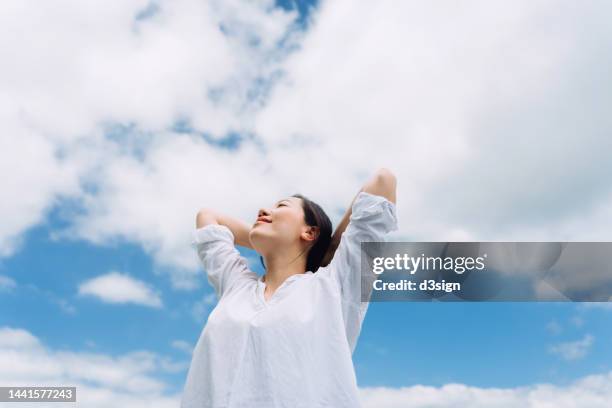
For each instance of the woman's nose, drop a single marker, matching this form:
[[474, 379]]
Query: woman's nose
[[262, 211]]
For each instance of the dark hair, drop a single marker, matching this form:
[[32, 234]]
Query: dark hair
[[314, 216]]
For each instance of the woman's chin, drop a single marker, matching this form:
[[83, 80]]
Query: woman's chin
[[258, 237]]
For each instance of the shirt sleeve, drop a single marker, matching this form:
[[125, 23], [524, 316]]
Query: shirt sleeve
[[222, 262], [372, 217]]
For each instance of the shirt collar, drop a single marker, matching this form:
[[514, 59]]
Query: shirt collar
[[290, 278]]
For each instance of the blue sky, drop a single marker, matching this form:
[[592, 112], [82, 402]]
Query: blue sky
[[491, 114]]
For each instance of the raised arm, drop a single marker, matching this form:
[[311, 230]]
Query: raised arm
[[240, 229], [382, 183]]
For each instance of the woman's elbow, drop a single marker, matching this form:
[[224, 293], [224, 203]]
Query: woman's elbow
[[386, 177], [383, 183], [205, 216]]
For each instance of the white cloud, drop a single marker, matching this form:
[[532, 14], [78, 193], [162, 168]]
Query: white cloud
[[132, 380], [105, 67], [573, 350], [115, 287], [480, 110], [154, 200], [11, 338], [183, 346], [594, 391], [476, 107], [7, 283], [102, 380], [31, 178]]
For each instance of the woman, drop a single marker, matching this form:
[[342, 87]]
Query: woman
[[286, 339]]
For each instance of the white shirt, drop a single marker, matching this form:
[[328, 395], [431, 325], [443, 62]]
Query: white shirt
[[294, 350]]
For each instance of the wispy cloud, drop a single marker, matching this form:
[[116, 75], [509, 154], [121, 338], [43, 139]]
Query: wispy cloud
[[51, 296], [132, 379], [573, 350], [183, 346], [7, 283], [115, 287], [577, 321], [554, 327], [127, 380], [594, 391]]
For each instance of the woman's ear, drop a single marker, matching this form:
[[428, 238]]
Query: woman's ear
[[311, 234]]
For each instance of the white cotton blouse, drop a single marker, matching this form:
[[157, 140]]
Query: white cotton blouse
[[294, 350]]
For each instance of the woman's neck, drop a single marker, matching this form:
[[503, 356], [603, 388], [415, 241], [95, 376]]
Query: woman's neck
[[280, 267]]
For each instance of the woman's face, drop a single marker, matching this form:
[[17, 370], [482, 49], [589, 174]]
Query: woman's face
[[282, 224]]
